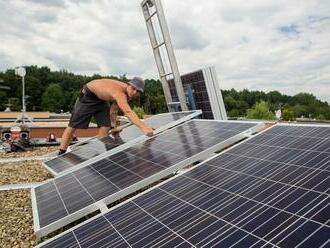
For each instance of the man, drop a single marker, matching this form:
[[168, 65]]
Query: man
[[93, 101]]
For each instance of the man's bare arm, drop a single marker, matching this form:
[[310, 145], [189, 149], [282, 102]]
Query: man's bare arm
[[124, 106], [113, 114]]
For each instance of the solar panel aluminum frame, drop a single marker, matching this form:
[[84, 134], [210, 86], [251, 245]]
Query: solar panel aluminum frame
[[130, 143], [247, 134], [303, 124], [102, 204], [14, 186], [215, 96]]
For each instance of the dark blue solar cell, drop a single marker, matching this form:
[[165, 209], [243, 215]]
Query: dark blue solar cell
[[226, 232], [260, 219], [249, 241], [299, 235], [290, 229], [323, 216], [232, 239], [246, 209], [281, 227], [318, 180], [288, 198], [271, 224], [301, 202], [317, 239]]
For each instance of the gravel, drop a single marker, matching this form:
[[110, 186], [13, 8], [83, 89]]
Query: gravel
[[38, 151], [23, 172], [16, 220]]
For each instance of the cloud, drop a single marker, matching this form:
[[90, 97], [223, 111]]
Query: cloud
[[56, 3], [259, 45], [187, 37]]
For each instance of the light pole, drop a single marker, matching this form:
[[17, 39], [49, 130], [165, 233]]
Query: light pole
[[20, 71]]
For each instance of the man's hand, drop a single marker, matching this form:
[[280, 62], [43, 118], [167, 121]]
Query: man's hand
[[116, 130], [148, 131]]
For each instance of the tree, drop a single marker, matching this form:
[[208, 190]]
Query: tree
[[321, 117], [52, 98], [260, 111], [14, 104], [274, 97], [300, 110], [33, 89], [153, 98], [234, 107], [3, 100]]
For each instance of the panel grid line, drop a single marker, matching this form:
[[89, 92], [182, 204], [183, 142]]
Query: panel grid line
[[290, 213], [270, 180], [117, 231], [112, 183], [216, 216], [254, 200], [164, 225], [58, 192], [83, 187], [74, 235]]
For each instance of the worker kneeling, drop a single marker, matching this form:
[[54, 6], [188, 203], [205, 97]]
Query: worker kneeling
[[94, 101]]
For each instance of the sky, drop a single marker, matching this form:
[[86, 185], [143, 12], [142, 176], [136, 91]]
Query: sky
[[257, 45]]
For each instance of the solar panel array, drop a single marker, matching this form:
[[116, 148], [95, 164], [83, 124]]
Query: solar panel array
[[95, 147], [68, 195], [271, 191]]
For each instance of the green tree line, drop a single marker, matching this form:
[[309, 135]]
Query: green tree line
[[241, 104], [56, 91]]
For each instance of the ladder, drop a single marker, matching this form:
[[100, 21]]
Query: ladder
[[153, 11]]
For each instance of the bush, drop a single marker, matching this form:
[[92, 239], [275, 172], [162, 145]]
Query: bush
[[139, 112], [288, 115], [260, 111], [321, 117]]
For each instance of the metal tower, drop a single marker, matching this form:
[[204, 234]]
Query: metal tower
[[153, 13]]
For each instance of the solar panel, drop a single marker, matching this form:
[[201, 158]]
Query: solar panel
[[131, 134], [270, 191], [205, 91], [80, 192]]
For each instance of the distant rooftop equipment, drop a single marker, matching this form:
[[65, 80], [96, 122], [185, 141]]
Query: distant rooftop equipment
[[163, 51], [203, 92]]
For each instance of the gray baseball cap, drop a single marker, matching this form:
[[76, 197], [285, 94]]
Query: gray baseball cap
[[138, 83]]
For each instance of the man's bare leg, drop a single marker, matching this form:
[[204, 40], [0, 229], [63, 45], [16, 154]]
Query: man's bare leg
[[66, 138], [103, 132]]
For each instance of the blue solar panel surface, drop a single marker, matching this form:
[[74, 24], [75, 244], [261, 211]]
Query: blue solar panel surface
[[96, 146], [271, 191], [72, 192]]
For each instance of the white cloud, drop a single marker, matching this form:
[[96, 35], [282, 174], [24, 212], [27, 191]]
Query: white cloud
[[260, 45]]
